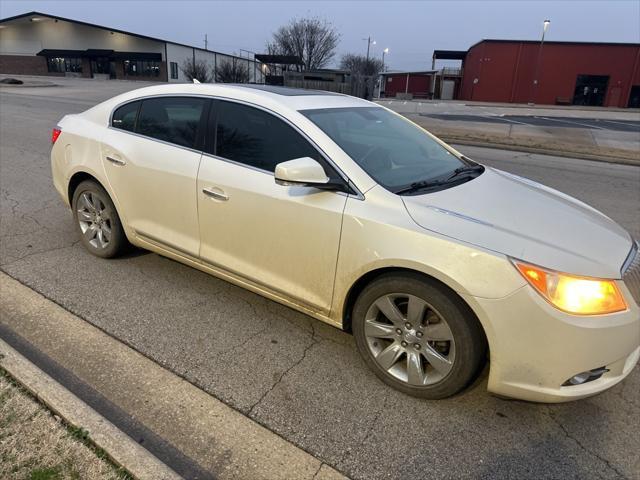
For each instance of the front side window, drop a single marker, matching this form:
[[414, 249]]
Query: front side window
[[124, 117], [171, 119], [393, 151], [256, 138]]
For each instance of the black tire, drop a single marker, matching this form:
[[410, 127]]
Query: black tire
[[117, 243], [468, 339]]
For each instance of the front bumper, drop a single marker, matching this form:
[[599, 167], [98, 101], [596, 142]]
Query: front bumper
[[535, 348]]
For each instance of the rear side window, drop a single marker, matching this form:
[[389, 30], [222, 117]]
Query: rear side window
[[124, 117], [256, 138], [171, 119]]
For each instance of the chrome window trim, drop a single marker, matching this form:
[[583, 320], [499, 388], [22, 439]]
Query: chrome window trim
[[359, 195], [153, 139], [239, 164]]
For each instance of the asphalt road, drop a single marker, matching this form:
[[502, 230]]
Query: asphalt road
[[298, 377]]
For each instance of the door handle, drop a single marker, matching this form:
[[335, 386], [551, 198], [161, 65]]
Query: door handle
[[215, 193], [116, 161]]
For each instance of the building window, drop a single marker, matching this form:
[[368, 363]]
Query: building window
[[142, 68], [174, 70], [64, 64]]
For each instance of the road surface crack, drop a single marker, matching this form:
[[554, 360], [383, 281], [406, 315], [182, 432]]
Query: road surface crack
[[581, 445], [317, 471], [314, 341]]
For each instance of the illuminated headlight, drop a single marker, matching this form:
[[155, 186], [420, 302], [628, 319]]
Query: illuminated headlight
[[572, 294]]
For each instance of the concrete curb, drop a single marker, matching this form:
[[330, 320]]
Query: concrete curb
[[192, 432], [122, 450]]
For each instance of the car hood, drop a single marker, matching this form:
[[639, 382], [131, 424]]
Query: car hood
[[525, 220]]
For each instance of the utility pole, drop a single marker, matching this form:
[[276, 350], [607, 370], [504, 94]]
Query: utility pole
[[206, 42], [369, 43]]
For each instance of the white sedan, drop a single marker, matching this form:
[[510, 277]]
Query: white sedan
[[352, 214]]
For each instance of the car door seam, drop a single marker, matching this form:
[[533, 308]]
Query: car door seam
[[335, 270]]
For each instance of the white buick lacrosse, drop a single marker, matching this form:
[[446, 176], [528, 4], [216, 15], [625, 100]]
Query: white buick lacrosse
[[352, 214]]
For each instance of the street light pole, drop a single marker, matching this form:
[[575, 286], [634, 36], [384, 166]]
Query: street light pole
[[384, 52], [369, 43], [536, 78]]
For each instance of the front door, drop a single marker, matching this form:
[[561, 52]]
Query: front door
[[283, 238], [153, 171], [100, 67], [634, 97], [590, 90]]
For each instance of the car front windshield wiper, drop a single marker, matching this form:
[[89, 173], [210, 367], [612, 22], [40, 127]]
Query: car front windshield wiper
[[466, 170], [421, 185], [460, 173]]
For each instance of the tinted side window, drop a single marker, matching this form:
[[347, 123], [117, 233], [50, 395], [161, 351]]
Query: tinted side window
[[124, 117], [172, 119], [256, 138]]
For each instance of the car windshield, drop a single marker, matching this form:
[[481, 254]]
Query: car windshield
[[394, 151]]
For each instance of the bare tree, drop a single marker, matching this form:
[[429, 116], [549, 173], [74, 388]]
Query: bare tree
[[233, 71], [197, 69], [359, 65], [313, 40]]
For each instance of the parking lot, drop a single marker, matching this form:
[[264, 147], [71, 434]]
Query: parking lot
[[302, 379]]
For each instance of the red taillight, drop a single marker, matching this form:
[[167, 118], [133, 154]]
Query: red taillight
[[55, 134]]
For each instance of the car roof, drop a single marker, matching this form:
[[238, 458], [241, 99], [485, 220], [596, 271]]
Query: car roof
[[265, 95], [286, 91]]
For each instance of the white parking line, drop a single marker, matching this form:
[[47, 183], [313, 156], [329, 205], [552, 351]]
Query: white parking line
[[576, 123], [621, 123]]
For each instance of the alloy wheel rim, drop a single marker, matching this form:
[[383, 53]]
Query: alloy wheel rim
[[409, 339], [94, 220]]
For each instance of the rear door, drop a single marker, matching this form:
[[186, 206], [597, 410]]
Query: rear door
[[151, 156], [283, 238]]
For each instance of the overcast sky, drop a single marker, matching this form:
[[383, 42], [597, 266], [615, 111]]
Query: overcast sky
[[411, 30]]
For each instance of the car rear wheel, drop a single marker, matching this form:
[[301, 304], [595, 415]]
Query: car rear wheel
[[97, 220], [417, 336]]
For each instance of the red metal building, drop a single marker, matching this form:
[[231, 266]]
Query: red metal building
[[418, 84], [578, 73]]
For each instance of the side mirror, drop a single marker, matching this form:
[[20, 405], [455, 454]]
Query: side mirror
[[303, 171]]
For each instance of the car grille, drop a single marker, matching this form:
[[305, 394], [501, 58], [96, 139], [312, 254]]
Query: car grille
[[631, 275]]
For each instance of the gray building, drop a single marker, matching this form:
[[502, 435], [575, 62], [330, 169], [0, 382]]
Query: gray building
[[37, 43]]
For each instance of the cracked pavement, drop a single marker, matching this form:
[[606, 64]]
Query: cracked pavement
[[296, 376]]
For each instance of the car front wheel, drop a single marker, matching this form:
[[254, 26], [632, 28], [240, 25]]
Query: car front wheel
[[417, 336]]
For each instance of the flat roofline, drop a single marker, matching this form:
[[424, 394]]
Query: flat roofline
[[555, 42], [102, 27]]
